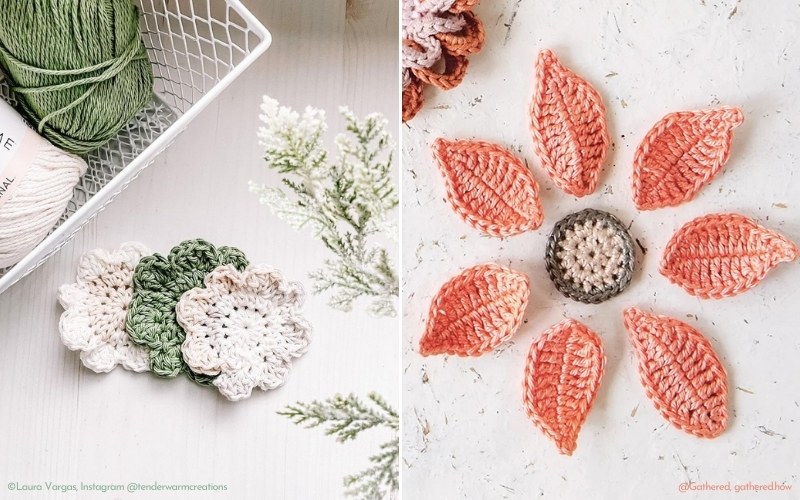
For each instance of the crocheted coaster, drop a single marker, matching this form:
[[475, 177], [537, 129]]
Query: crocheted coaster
[[722, 255], [681, 154], [159, 283], [490, 188], [568, 124], [438, 35], [243, 328], [95, 307], [680, 372], [590, 256], [562, 375], [475, 311]]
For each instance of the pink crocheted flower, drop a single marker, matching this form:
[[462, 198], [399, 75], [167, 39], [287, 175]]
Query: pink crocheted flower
[[244, 327]]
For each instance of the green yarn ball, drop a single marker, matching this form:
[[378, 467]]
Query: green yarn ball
[[79, 69]]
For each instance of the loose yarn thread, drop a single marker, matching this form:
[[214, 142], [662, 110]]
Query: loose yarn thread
[[79, 69]]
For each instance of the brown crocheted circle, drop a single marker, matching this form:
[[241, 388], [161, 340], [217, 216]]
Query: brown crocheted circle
[[590, 256]]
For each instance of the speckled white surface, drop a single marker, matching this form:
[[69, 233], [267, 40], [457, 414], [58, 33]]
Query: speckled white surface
[[465, 431]]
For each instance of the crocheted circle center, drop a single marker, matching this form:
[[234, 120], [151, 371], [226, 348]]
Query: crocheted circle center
[[244, 328], [590, 256]]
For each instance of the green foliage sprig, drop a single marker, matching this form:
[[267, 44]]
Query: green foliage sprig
[[345, 418], [346, 202]]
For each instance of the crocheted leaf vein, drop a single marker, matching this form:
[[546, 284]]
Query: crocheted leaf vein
[[159, 283], [95, 308], [721, 255], [490, 188], [243, 328], [568, 125], [475, 311], [562, 376], [681, 154], [680, 372]]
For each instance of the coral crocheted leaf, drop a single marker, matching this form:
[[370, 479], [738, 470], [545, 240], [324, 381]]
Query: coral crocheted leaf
[[475, 311], [568, 123], [562, 375], [721, 255], [490, 188], [681, 154], [680, 372]]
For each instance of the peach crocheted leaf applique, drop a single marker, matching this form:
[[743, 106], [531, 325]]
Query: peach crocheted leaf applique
[[562, 375], [475, 311], [721, 255], [680, 372], [490, 188], [568, 124], [681, 154]]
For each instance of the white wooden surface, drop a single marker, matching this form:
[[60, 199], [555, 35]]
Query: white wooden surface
[[61, 422], [466, 434]]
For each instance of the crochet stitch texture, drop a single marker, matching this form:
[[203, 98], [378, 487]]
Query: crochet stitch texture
[[95, 308], [159, 283], [490, 188], [243, 328], [475, 311], [681, 154], [722, 255], [438, 35], [590, 256], [562, 376], [568, 124], [680, 372]]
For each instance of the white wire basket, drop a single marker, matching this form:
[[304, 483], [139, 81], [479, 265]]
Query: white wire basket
[[197, 48]]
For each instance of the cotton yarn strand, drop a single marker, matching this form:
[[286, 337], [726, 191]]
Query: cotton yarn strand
[[79, 69], [38, 203]]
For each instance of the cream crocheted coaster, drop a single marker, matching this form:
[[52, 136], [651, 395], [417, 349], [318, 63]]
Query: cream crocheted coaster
[[245, 327], [95, 308]]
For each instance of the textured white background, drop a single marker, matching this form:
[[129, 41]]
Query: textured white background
[[466, 434], [61, 422]]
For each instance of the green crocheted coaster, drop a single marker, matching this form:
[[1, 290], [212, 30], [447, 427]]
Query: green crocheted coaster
[[158, 283]]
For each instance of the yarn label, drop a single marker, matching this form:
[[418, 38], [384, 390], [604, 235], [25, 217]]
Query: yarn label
[[19, 146]]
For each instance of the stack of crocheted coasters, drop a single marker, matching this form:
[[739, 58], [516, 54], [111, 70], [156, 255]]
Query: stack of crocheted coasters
[[590, 256], [201, 310]]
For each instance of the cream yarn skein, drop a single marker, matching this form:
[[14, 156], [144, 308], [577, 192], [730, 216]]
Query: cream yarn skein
[[39, 201]]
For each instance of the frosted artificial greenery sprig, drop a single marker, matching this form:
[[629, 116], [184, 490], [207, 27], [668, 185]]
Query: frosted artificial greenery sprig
[[345, 418], [346, 201]]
